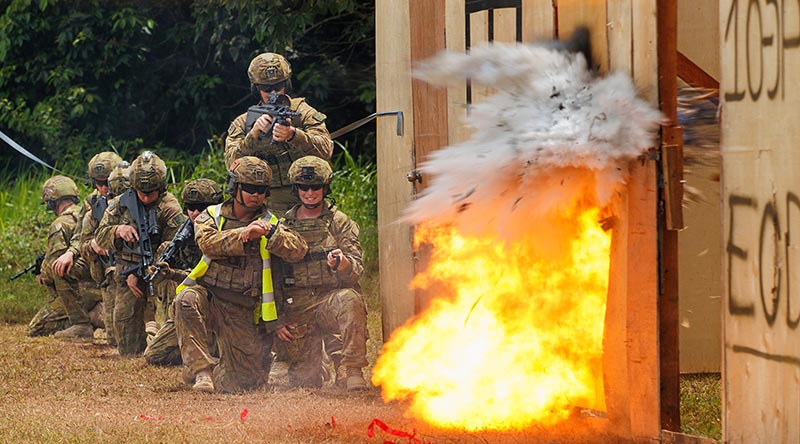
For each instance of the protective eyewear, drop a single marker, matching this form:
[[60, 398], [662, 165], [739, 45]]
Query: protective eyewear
[[196, 206], [270, 88], [254, 189], [305, 187], [100, 182]]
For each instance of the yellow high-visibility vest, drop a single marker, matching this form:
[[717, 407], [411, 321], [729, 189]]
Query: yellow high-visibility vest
[[268, 311]]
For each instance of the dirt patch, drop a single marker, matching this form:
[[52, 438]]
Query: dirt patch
[[75, 392]]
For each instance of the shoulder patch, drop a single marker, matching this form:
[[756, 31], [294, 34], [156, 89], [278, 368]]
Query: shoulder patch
[[319, 117]]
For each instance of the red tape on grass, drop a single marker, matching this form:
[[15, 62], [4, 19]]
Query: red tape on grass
[[412, 437], [151, 418], [243, 415]]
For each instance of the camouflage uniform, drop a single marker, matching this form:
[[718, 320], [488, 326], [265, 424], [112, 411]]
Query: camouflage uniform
[[311, 137], [162, 349], [101, 167], [225, 300], [68, 305], [322, 302], [148, 173]]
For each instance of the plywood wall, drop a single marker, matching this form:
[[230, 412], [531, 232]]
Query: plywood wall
[[761, 220], [624, 38]]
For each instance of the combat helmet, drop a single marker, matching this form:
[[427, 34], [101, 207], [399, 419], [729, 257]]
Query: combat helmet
[[268, 69], [310, 170], [248, 170], [57, 188], [149, 173], [102, 164], [201, 191], [119, 179]]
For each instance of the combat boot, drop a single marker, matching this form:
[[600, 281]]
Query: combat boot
[[77, 331], [355, 380], [203, 383]]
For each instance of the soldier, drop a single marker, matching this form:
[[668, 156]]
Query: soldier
[[133, 226], [68, 310], [100, 167], [162, 349], [118, 183], [94, 206], [304, 135], [318, 293], [229, 293]]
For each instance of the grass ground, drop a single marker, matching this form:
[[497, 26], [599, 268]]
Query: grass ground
[[79, 392]]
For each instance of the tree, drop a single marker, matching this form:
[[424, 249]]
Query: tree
[[78, 76]]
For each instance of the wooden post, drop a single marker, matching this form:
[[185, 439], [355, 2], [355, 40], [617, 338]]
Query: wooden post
[[671, 217]]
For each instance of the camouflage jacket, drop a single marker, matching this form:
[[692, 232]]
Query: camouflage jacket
[[311, 138], [311, 278], [169, 218], [237, 265], [59, 239], [86, 207]]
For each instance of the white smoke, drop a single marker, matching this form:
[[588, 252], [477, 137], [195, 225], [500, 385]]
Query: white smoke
[[552, 135]]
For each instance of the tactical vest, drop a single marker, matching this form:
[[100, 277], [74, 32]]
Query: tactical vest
[[280, 155], [312, 270], [233, 278]]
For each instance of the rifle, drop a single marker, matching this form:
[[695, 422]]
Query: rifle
[[278, 107], [147, 227], [185, 232], [35, 267], [99, 205]]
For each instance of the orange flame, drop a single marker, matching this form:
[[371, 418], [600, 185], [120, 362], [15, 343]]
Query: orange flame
[[514, 336]]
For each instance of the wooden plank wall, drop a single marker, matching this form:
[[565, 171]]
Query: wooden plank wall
[[624, 38], [395, 159], [761, 220]]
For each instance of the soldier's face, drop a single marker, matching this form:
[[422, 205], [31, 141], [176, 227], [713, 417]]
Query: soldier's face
[[254, 199], [265, 94], [102, 186], [147, 198], [310, 194]]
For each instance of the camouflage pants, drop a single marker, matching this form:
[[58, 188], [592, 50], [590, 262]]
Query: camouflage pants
[[129, 319], [68, 290], [343, 315], [244, 346], [109, 292], [165, 294], [163, 349], [53, 316]]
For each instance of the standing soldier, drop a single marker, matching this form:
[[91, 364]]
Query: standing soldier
[[133, 226], [229, 293], [197, 195], [68, 310], [277, 142]]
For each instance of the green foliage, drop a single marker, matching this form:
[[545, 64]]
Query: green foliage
[[355, 189], [79, 76], [23, 221]]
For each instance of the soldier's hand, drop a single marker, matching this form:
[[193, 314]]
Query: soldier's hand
[[160, 270], [63, 264], [256, 229], [285, 333], [337, 260], [133, 283], [281, 133], [262, 125], [97, 250], [126, 233]]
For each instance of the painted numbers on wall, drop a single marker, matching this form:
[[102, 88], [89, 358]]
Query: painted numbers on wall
[[759, 33]]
